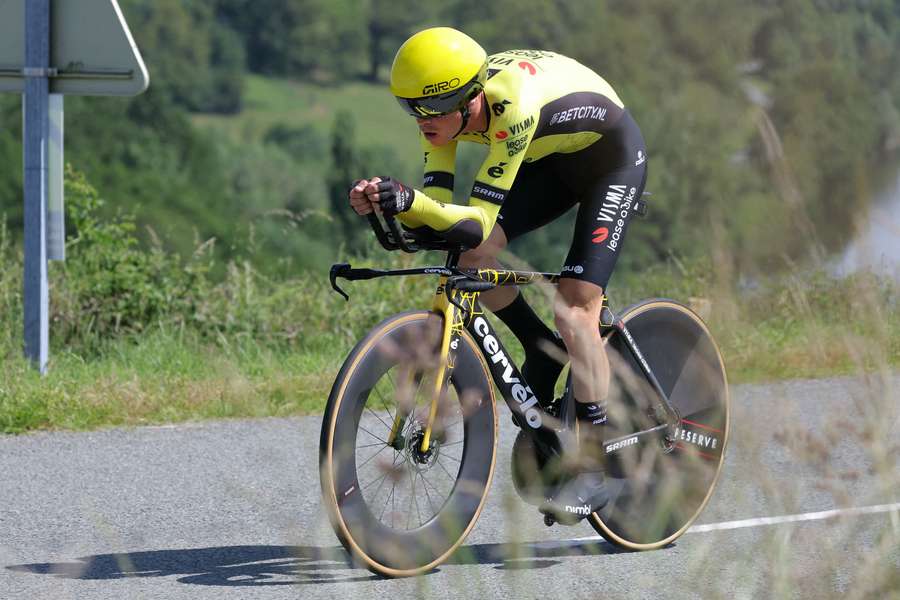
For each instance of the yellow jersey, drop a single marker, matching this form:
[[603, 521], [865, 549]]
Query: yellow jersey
[[538, 103]]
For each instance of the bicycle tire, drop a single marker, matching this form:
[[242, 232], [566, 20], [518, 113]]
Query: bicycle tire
[[655, 494], [372, 541]]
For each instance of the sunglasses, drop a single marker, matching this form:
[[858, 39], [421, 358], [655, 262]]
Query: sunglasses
[[442, 104]]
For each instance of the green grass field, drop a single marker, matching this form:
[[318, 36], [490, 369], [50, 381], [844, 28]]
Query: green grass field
[[270, 102]]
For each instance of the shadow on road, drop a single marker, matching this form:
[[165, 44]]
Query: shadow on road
[[529, 555], [292, 565]]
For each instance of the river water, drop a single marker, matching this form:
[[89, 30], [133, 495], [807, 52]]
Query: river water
[[877, 245]]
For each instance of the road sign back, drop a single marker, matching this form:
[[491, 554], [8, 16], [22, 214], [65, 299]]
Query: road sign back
[[91, 49]]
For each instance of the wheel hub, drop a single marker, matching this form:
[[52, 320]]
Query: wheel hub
[[422, 460]]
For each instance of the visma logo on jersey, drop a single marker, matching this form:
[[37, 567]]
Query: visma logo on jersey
[[522, 127], [523, 395], [611, 205]]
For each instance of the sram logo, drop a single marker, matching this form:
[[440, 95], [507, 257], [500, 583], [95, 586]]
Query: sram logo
[[523, 395], [623, 444]]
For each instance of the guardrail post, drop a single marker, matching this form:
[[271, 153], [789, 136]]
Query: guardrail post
[[35, 110]]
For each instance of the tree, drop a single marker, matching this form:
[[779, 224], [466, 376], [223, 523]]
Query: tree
[[346, 168], [191, 57], [310, 39], [390, 22]]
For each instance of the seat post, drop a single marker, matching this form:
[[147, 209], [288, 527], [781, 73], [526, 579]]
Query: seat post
[[452, 260]]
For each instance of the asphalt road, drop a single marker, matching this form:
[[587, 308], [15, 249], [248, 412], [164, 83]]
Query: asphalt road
[[232, 510]]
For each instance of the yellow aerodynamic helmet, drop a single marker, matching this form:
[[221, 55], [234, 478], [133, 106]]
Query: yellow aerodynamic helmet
[[438, 71]]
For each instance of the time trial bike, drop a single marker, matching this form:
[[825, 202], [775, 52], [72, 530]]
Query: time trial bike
[[408, 441]]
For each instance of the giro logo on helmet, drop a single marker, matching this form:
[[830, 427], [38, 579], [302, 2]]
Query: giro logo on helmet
[[457, 77], [443, 86]]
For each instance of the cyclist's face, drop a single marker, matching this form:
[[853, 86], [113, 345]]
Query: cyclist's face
[[440, 130]]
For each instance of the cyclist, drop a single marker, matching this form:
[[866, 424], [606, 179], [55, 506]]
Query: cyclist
[[558, 136]]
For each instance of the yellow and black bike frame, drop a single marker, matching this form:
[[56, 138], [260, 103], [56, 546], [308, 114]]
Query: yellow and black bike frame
[[455, 302]]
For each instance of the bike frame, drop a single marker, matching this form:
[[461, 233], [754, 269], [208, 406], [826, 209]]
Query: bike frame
[[456, 301]]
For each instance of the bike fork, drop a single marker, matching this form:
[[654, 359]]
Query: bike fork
[[394, 439], [448, 311], [443, 374]]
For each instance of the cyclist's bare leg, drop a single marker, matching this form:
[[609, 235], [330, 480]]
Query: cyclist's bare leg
[[577, 310], [485, 256]]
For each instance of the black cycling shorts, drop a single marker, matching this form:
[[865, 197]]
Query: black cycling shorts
[[605, 179]]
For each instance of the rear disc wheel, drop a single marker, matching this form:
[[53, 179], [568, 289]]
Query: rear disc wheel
[[659, 486]]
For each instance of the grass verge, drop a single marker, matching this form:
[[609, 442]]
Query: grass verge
[[793, 328], [163, 378]]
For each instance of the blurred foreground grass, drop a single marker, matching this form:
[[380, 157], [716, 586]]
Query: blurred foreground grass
[[801, 327]]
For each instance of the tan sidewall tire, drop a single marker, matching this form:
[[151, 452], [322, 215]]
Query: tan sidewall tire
[[326, 445]]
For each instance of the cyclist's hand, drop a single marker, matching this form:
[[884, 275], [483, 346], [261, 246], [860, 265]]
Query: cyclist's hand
[[359, 201], [390, 195]]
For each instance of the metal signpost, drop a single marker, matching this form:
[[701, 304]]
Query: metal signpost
[[49, 48]]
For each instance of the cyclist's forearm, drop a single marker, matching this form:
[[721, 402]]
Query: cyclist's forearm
[[475, 220], [409, 220]]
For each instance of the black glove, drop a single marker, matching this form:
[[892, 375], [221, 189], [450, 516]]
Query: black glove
[[394, 197]]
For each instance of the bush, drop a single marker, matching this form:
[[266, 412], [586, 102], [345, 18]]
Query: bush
[[109, 286]]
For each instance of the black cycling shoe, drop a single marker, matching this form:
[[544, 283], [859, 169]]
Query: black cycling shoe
[[577, 498]]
